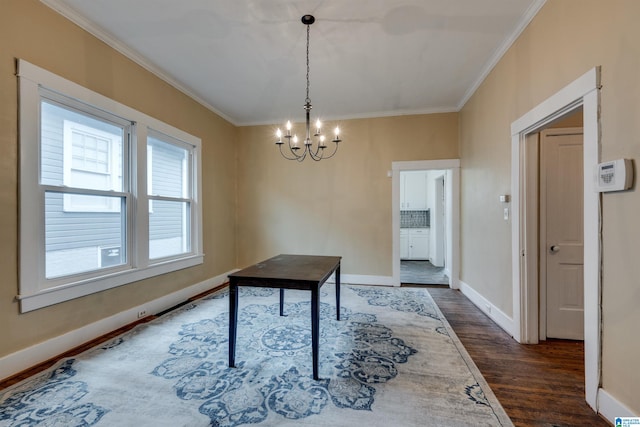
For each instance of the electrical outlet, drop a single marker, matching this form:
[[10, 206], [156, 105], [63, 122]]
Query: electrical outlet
[[142, 313]]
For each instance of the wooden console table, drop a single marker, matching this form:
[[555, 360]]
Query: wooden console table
[[306, 272]]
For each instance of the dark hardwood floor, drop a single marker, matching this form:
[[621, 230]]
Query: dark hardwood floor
[[538, 385]]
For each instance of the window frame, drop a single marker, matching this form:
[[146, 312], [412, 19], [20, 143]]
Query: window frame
[[35, 291], [187, 184]]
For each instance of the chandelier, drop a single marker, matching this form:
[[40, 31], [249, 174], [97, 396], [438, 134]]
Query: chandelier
[[316, 148]]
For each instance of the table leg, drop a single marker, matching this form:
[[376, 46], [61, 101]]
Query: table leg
[[233, 321], [281, 302], [315, 327], [338, 292]]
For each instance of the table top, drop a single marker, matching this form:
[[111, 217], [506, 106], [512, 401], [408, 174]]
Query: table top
[[307, 268]]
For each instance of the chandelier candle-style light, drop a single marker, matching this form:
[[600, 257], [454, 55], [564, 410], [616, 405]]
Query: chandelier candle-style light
[[316, 148]]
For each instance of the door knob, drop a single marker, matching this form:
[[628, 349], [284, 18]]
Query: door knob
[[554, 248]]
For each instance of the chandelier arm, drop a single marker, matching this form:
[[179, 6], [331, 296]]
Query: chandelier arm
[[314, 154], [300, 157], [293, 151], [296, 157], [319, 153], [333, 153]]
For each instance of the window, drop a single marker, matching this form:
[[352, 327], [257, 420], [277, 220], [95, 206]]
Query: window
[[169, 196], [88, 167], [85, 201]]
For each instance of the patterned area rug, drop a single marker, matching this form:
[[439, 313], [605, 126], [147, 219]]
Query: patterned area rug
[[392, 359]]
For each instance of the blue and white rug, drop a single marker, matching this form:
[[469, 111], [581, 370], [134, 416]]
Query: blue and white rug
[[392, 359]]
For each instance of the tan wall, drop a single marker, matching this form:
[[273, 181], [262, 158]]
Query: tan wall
[[565, 39], [32, 31], [340, 206]]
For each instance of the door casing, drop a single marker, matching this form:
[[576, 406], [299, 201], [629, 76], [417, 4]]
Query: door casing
[[438, 224], [585, 92]]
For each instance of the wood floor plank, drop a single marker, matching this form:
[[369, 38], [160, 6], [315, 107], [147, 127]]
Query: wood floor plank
[[538, 385]]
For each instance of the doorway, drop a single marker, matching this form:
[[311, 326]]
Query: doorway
[[422, 219], [441, 246], [583, 92]]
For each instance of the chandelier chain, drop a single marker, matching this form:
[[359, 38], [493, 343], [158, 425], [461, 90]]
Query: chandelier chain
[[308, 28]]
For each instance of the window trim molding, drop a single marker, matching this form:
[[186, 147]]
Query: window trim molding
[[33, 290]]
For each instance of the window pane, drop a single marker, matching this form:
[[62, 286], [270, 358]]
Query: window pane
[[79, 150], [169, 227], [77, 242], [169, 169]]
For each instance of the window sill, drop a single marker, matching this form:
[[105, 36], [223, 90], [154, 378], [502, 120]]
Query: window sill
[[58, 294]]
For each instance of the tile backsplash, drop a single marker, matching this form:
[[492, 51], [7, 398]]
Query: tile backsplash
[[414, 219]]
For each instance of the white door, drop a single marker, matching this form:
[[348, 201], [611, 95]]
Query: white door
[[562, 214]]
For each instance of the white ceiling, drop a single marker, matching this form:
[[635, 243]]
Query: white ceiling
[[245, 59]]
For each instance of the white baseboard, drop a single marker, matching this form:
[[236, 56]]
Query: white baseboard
[[610, 408], [14, 363], [494, 313]]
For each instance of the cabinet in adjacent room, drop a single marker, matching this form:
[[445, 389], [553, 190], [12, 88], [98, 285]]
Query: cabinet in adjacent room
[[419, 243], [404, 243], [413, 190], [414, 243]]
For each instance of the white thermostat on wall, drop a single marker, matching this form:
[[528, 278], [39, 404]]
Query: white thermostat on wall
[[615, 175]]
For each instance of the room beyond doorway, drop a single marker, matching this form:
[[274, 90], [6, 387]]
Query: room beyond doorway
[[450, 229], [422, 227], [422, 273]]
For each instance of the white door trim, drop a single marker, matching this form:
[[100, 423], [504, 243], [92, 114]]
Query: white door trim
[[584, 91], [436, 252], [453, 206]]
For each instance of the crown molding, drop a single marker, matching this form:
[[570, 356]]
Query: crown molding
[[372, 115], [527, 17], [108, 38]]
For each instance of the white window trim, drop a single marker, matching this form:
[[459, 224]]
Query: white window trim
[[34, 290]]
